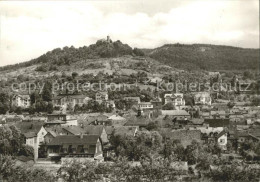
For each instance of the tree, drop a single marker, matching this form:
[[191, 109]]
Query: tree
[[74, 75], [4, 102], [47, 91], [138, 52], [16, 140], [3, 108], [50, 107], [26, 150], [78, 171]]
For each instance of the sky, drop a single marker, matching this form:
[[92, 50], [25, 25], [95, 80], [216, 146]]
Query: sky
[[29, 29]]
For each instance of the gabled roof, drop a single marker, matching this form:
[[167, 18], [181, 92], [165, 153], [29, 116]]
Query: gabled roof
[[29, 128], [75, 130], [116, 118], [125, 130], [217, 112], [93, 129], [255, 132], [175, 112], [202, 94], [222, 133], [74, 139], [52, 133], [102, 93]]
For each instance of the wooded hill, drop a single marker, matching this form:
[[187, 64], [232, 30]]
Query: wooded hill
[[205, 57]]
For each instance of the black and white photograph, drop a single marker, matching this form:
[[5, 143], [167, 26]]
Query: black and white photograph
[[129, 91]]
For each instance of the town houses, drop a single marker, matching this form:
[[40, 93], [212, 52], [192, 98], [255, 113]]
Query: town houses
[[137, 122]]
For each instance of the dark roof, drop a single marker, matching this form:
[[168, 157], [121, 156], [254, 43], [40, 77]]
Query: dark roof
[[217, 122], [255, 132], [75, 130], [93, 130], [74, 139], [222, 133], [29, 129], [125, 130]]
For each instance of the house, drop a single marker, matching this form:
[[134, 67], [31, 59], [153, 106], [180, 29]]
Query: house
[[202, 98], [157, 103], [135, 100], [220, 106], [52, 117], [86, 146], [68, 100], [145, 105], [218, 114], [176, 99], [34, 133], [49, 136], [95, 119], [97, 130], [178, 114], [35, 119], [61, 119], [2, 120], [101, 96], [222, 139], [184, 136], [205, 114], [23, 101]]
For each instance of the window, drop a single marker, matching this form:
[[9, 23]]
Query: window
[[222, 140]]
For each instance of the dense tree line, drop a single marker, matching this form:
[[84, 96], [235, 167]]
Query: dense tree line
[[12, 142], [11, 172]]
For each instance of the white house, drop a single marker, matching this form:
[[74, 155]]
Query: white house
[[202, 98], [101, 96], [22, 101], [69, 100], [34, 133], [176, 99], [145, 105], [222, 140]]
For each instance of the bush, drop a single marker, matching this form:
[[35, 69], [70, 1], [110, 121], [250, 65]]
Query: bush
[[41, 68], [26, 150]]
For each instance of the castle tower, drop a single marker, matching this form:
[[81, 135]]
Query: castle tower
[[108, 38]]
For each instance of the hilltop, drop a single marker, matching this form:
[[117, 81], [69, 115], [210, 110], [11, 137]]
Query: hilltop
[[104, 48], [205, 56]]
